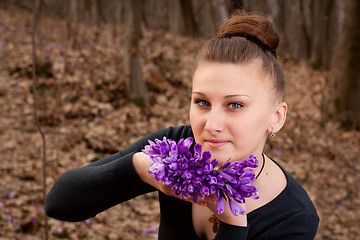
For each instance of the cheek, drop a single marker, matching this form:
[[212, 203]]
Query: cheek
[[248, 128], [196, 121], [194, 115]]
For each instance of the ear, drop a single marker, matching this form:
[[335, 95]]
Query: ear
[[279, 117]]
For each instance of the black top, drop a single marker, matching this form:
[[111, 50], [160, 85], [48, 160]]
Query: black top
[[81, 193]]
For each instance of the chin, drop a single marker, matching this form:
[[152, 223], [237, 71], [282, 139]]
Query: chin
[[221, 156]]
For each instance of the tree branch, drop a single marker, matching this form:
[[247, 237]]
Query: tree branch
[[37, 5]]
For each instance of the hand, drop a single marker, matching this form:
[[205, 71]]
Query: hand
[[142, 164]]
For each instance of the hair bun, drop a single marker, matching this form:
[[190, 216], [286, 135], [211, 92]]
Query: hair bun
[[254, 28]]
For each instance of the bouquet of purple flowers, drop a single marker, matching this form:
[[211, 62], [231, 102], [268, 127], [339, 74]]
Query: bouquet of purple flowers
[[195, 175]]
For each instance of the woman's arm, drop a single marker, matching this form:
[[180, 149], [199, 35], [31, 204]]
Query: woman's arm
[[81, 193]]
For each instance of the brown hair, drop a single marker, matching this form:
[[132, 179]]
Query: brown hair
[[243, 39]]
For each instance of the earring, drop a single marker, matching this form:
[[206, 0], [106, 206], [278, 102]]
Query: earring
[[273, 135]]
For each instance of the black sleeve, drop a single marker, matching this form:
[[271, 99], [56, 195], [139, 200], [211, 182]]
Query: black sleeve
[[230, 232], [81, 193], [301, 227]]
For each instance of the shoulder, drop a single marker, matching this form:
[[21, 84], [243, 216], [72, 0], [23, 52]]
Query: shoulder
[[302, 226], [290, 213]]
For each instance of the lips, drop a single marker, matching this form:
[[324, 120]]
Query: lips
[[215, 143]]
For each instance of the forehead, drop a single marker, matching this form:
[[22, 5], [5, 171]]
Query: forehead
[[229, 78]]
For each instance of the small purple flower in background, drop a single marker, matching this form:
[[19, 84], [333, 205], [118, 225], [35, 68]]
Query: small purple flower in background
[[278, 153], [194, 175], [9, 218], [88, 93], [145, 231], [147, 112], [40, 210], [1, 204], [33, 221], [153, 228], [22, 39], [60, 230], [340, 208], [11, 196], [47, 53], [97, 118], [88, 221]]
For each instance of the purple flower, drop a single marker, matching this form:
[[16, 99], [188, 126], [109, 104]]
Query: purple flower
[[220, 205], [88, 221], [33, 221], [147, 112], [194, 175], [251, 161], [236, 208], [158, 169], [40, 209], [9, 218], [153, 228], [204, 191], [340, 208]]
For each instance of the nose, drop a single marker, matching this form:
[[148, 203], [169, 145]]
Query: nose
[[214, 121]]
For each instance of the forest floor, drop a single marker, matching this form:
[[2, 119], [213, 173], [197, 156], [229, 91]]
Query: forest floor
[[85, 117]]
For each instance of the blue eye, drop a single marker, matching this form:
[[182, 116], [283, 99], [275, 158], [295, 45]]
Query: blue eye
[[234, 106], [202, 103]]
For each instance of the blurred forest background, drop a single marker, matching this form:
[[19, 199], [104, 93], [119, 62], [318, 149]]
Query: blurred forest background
[[82, 79]]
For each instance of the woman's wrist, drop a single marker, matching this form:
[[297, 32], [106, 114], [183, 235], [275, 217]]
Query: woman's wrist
[[141, 163]]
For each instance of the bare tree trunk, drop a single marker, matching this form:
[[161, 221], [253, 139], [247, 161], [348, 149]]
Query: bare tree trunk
[[72, 23], [345, 69], [117, 23], [176, 22], [37, 7], [134, 83], [320, 15], [191, 27]]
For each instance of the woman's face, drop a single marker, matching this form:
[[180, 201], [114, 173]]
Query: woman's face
[[231, 109]]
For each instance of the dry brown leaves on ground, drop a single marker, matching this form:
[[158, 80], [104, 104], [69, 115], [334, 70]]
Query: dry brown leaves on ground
[[85, 116]]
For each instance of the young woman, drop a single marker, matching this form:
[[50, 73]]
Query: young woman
[[237, 101]]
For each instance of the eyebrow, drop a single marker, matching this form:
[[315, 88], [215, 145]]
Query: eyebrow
[[226, 97]]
